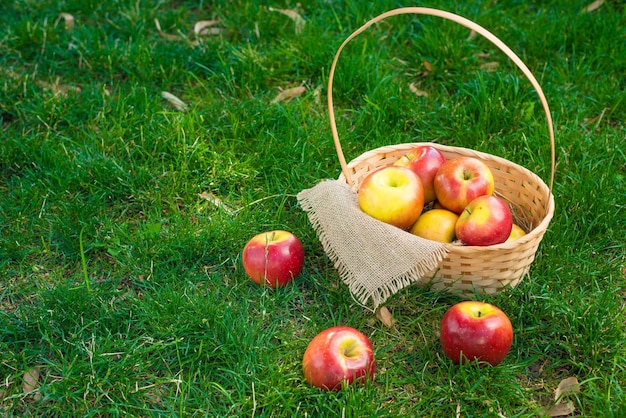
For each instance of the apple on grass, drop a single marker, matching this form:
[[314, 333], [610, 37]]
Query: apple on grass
[[461, 180], [487, 220], [425, 161], [392, 194], [273, 258], [473, 330], [437, 225], [336, 356]]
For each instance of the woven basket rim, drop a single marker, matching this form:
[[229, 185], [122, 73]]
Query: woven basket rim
[[467, 250]]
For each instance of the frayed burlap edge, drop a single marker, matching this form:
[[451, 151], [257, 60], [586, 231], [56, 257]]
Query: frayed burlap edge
[[374, 259]]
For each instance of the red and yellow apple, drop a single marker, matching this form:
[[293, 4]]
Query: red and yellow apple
[[392, 194], [473, 330], [336, 356], [516, 232], [437, 225], [273, 258], [461, 180], [486, 220], [425, 161]]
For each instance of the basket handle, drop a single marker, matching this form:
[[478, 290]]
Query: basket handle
[[462, 21]]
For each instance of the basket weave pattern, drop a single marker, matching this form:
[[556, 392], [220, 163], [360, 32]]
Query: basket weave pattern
[[469, 269]]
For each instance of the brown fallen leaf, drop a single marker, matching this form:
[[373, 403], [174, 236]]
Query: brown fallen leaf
[[596, 119], [418, 92], [385, 317], [31, 380], [288, 94], [561, 409], [211, 198], [428, 66], [593, 6], [57, 88], [490, 67], [566, 387], [207, 27], [167, 36], [68, 19], [174, 101], [293, 15]]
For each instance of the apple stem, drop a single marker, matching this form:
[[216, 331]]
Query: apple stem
[[480, 314]]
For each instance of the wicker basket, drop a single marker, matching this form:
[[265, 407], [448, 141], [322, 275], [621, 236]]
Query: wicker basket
[[468, 269]]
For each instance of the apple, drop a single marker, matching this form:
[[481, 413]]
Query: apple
[[337, 355], [473, 330], [461, 180], [425, 161], [392, 194], [516, 232], [487, 220], [273, 258], [436, 224]]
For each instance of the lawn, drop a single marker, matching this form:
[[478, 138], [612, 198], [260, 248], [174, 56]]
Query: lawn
[[143, 143]]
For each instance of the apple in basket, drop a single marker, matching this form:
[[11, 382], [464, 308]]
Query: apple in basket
[[473, 330], [437, 225], [461, 180], [336, 356], [516, 232], [487, 220], [392, 194], [273, 258], [425, 161]]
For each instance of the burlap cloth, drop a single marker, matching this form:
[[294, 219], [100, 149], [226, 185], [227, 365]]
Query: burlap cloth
[[373, 258]]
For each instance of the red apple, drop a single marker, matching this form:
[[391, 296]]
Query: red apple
[[336, 355], [461, 180], [487, 220], [425, 161], [474, 330], [392, 194], [437, 225], [273, 258]]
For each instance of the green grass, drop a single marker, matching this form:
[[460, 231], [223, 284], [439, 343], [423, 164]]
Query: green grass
[[123, 286]]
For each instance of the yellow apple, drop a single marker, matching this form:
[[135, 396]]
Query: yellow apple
[[436, 225], [516, 232], [392, 194]]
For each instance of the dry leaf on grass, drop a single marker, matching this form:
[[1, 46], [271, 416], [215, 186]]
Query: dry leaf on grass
[[31, 382], [174, 101], [207, 27], [293, 15], [167, 36], [566, 387], [59, 89], [596, 119], [288, 94], [490, 67], [211, 198], [68, 19], [385, 317], [561, 409], [418, 92], [593, 6]]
